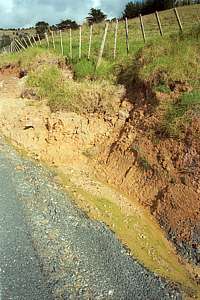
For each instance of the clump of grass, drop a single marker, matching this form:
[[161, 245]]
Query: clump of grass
[[179, 114], [143, 163], [84, 69], [87, 69], [45, 81], [162, 88], [84, 96]]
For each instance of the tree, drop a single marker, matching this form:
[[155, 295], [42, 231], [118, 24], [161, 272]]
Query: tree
[[96, 16], [41, 27], [132, 9], [66, 24]]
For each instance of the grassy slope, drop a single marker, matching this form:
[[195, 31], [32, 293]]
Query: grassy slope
[[188, 15]]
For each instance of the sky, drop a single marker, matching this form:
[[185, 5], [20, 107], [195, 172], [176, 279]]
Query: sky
[[25, 13]]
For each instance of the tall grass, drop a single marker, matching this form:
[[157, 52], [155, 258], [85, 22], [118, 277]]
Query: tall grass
[[69, 95]]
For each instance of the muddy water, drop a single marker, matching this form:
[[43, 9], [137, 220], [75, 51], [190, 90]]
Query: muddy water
[[78, 257]]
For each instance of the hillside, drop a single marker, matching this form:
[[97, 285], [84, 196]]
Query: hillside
[[131, 127]]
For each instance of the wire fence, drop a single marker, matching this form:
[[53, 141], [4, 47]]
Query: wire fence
[[110, 40]]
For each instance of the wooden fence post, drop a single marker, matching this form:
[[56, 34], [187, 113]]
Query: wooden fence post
[[80, 41], [142, 28], [30, 41], [11, 47], [17, 46], [115, 42], [159, 23], [178, 19], [102, 45], [53, 41], [47, 39], [61, 43], [34, 41], [127, 37], [90, 41], [25, 42], [70, 43], [14, 46], [38, 36]]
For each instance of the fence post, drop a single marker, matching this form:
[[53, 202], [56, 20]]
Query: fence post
[[70, 43], [30, 41], [80, 41], [47, 39], [14, 46], [11, 47], [142, 28], [34, 40], [53, 41], [61, 43], [25, 42], [159, 23], [90, 41], [17, 46], [127, 37], [178, 19], [38, 36], [102, 45], [115, 42]]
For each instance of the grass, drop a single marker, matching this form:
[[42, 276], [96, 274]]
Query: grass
[[30, 58], [179, 114], [163, 62], [69, 95]]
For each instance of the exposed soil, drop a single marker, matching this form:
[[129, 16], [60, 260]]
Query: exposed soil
[[121, 150], [163, 173]]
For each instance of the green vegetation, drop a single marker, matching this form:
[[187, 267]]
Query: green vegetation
[[41, 28], [175, 59], [179, 114], [165, 64], [143, 163], [162, 88], [30, 58], [96, 16], [69, 95]]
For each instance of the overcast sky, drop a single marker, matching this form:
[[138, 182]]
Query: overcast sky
[[25, 13]]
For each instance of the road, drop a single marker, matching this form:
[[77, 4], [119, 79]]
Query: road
[[49, 249]]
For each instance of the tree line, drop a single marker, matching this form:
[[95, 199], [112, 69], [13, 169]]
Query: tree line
[[145, 7]]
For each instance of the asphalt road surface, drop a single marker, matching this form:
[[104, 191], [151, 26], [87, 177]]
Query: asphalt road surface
[[49, 249]]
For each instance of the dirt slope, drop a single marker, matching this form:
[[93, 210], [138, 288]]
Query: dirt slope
[[123, 155]]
